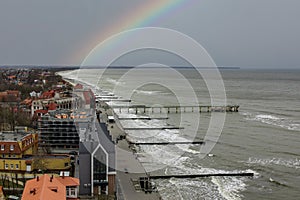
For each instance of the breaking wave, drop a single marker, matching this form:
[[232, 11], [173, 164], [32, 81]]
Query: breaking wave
[[292, 163], [274, 120]]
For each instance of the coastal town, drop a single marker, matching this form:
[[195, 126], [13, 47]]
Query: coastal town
[[64, 139], [48, 127]]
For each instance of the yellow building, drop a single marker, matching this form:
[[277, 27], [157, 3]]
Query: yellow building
[[18, 152]]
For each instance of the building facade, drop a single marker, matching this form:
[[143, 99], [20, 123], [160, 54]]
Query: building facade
[[19, 153], [58, 129], [98, 173]]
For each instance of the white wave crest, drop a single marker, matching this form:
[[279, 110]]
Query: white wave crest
[[114, 81], [146, 92], [292, 163], [274, 120]]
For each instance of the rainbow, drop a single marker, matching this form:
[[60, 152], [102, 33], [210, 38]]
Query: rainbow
[[143, 16]]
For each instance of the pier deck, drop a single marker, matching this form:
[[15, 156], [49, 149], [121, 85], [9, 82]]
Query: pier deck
[[175, 109]]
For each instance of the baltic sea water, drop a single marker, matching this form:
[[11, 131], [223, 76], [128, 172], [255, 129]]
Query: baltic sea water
[[264, 137]]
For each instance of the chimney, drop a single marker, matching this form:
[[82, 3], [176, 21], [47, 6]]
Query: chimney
[[37, 178], [51, 178]]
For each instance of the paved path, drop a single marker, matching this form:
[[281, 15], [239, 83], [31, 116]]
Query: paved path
[[128, 166]]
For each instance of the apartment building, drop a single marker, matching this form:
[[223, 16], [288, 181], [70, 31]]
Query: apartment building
[[59, 130]]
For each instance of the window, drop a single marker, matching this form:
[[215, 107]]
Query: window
[[17, 166], [11, 166], [72, 191], [2, 147], [6, 166], [12, 147]]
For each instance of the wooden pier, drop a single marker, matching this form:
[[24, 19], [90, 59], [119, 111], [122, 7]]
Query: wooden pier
[[175, 109]]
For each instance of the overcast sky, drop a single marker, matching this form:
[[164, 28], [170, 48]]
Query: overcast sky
[[246, 33]]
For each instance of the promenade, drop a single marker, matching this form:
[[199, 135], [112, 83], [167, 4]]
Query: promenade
[[129, 169]]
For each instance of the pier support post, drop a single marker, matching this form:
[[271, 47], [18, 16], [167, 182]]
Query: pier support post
[[209, 109]]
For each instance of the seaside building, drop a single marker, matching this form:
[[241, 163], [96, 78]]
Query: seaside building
[[28, 164], [58, 129], [17, 145], [97, 174], [54, 103], [19, 154], [49, 187], [96, 150]]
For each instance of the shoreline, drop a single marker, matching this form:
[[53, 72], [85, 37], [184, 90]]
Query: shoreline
[[129, 168]]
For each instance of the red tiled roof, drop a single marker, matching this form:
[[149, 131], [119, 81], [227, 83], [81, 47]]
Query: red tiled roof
[[48, 94], [1, 193], [87, 97], [78, 86], [43, 188], [68, 181], [7, 149], [41, 111], [13, 92], [52, 106]]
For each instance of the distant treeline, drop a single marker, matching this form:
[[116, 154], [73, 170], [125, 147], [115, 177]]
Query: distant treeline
[[63, 68]]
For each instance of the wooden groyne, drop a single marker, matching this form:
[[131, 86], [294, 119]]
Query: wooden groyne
[[147, 185], [152, 128], [116, 100], [199, 175], [166, 143], [142, 118], [175, 109]]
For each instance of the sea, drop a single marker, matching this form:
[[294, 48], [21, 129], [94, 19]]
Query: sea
[[262, 138]]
